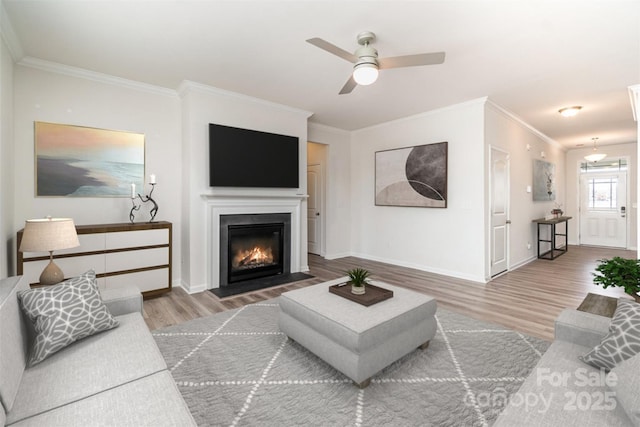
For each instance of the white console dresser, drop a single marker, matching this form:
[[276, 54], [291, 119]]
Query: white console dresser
[[120, 254]]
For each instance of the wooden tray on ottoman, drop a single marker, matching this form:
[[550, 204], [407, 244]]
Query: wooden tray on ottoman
[[373, 294]]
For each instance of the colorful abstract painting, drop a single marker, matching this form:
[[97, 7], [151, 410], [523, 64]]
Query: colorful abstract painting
[[78, 161], [412, 176]]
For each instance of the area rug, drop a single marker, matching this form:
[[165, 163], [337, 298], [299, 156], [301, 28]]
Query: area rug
[[237, 369]]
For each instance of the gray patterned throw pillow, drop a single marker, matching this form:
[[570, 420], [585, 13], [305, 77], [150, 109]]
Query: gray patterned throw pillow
[[623, 340], [64, 313]]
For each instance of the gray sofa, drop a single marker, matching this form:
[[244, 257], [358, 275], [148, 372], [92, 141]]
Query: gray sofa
[[114, 378], [564, 391]]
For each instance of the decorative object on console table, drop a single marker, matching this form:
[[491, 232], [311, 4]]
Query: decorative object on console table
[[358, 280], [145, 199], [557, 211], [121, 254], [619, 272], [48, 235]]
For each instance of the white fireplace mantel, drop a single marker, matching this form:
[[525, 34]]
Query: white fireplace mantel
[[227, 203]]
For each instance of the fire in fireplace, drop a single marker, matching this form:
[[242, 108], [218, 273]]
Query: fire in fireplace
[[255, 251], [254, 248]]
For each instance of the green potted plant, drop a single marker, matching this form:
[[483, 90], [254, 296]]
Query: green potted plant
[[357, 279], [619, 272]]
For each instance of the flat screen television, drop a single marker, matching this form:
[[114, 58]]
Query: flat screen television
[[250, 158]]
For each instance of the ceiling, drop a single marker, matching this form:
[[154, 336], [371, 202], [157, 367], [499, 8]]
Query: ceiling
[[531, 57]]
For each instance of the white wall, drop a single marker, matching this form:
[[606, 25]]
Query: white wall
[[337, 188], [574, 158], [202, 105], [447, 241], [506, 132], [7, 232], [57, 94]]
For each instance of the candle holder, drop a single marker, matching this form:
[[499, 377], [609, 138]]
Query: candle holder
[[145, 199]]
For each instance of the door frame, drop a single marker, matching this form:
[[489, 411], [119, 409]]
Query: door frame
[[628, 196], [322, 161], [490, 276]]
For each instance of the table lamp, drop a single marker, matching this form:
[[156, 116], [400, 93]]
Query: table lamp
[[48, 235]]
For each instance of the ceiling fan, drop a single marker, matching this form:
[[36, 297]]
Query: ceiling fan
[[367, 63]]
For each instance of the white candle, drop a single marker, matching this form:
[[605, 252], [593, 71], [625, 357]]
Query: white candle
[[152, 178], [133, 190]]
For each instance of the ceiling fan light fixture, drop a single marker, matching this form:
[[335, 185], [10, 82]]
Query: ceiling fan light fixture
[[365, 73], [570, 111]]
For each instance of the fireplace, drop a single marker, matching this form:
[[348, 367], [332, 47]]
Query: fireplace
[[254, 247], [254, 251]]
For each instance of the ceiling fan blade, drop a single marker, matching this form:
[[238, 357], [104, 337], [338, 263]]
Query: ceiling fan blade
[[412, 60], [348, 86], [331, 48]]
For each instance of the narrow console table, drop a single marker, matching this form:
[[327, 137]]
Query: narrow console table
[[554, 251], [120, 254]]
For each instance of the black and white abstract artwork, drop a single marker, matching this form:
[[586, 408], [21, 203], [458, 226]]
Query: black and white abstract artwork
[[412, 176], [544, 181]]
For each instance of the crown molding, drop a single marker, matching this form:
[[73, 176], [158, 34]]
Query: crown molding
[[188, 86], [67, 70], [9, 35], [329, 129], [521, 122]]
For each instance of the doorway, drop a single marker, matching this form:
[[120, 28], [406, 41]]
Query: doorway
[[499, 184], [603, 203], [316, 160]]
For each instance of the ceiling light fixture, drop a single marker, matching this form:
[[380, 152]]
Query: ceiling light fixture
[[570, 111], [595, 156], [365, 73]]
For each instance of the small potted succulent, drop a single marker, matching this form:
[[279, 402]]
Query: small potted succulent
[[358, 279], [619, 272]]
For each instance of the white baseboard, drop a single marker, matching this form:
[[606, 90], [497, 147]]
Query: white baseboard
[[338, 255], [523, 262], [190, 289], [428, 269]]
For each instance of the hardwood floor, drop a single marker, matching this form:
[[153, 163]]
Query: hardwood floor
[[527, 299]]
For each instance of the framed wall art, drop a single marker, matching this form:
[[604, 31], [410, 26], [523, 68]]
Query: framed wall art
[[77, 161], [412, 176], [544, 181]]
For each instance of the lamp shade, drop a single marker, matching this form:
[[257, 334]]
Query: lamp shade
[[49, 234]]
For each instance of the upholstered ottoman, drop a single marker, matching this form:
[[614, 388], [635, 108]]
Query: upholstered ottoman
[[356, 340]]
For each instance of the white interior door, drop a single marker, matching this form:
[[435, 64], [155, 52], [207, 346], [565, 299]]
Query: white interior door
[[603, 209], [499, 211], [314, 209]]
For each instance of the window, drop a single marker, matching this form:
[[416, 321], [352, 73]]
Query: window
[[603, 193], [613, 165]]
